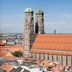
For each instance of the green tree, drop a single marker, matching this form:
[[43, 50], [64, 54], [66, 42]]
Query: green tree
[[4, 71], [17, 54]]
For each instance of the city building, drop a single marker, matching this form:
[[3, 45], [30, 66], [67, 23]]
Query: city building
[[54, 47]]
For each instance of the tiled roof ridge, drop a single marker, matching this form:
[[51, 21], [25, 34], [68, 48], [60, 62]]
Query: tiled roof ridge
[[56, 42], [54, 35]]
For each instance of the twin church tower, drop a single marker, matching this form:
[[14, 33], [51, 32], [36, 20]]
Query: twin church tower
[[31, 28]]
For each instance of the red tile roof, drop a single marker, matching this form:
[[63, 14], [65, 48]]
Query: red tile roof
[[53, 41], [6, 54], [57, 43], [12, 48], [6, 67]]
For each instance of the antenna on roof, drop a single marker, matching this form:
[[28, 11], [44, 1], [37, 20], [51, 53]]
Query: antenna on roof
[[54, 31]]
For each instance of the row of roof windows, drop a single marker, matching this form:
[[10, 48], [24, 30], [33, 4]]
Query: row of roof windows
[[53, 52]]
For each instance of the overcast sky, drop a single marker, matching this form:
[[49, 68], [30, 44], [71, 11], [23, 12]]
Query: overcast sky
[[57, 14]]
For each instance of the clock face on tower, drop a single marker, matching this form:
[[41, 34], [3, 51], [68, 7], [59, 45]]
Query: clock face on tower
[[27, 29]]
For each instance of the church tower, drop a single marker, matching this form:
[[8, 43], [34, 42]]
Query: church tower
[[28, 31], [39, 22]]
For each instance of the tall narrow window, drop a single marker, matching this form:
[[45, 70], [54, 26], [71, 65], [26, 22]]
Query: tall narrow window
[[36, 28]]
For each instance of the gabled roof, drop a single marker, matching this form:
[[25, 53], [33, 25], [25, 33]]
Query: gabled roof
[[56, 43], [53, 42], [6, 54]]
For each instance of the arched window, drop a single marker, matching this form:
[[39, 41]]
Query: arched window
[[26, 20]]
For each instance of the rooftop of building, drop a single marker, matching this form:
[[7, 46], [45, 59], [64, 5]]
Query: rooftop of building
[[53, 44], [39, 11], [46, 44], [45, 65], [28, 10]]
